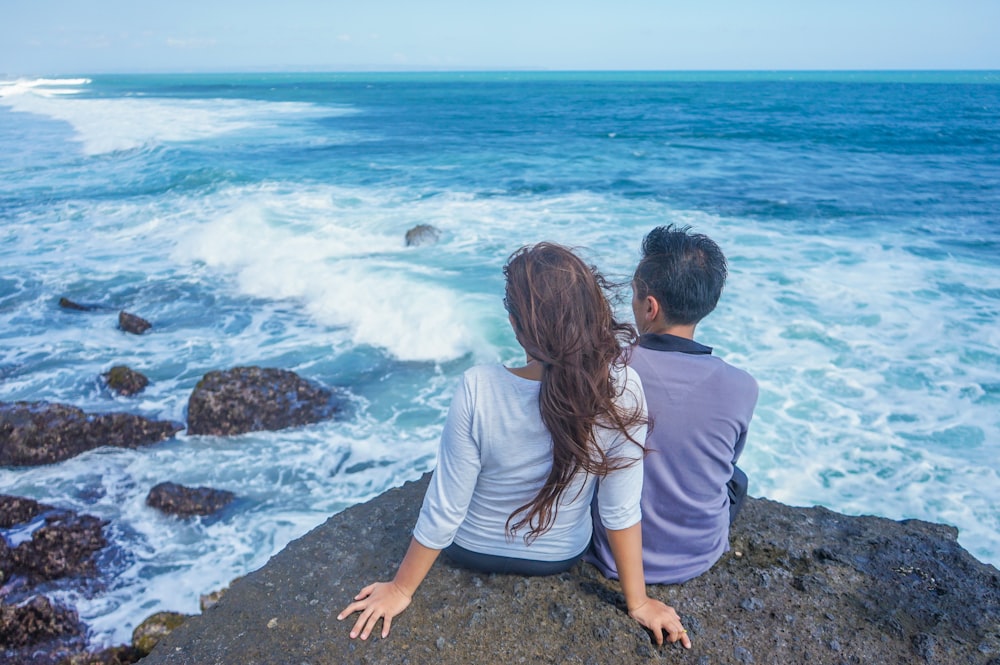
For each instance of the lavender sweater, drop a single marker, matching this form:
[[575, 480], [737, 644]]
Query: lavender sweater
[[700, 407]]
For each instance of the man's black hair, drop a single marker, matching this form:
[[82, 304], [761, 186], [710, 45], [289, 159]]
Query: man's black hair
[[684, 271]]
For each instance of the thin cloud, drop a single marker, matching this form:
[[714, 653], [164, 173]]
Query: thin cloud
[[191, 43]]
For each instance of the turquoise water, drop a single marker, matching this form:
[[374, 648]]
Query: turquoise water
[[259, 219]]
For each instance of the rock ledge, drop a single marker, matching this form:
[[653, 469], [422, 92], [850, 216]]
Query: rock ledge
[[810, 586]]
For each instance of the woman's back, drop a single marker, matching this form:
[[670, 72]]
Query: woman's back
[[495, 455]]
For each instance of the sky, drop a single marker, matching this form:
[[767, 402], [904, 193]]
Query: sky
[[61, 37]]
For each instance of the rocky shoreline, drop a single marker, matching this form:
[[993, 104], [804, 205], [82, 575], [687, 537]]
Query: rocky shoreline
[[802, 585]]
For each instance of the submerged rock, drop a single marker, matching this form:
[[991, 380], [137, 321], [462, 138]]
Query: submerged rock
[[125, 380], [63, 547], [42, 433], [66, 303], [120, 655], [249, 399], [37, 631], [422, 234], [175, 499], [148, 633], [823, 588], [16, 510], [131, 323]]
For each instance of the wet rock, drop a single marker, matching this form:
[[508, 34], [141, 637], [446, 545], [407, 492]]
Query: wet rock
[[66, 303], [175, 499], [131, 323], [148, 633], [125, 380], [16, 510], [209, 600], [248, 399], [63, 547], [422, 234], [891, 592], [37, 626], [34, 433], [120, 655]]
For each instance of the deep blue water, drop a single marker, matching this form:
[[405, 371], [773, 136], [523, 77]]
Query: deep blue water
[[259, 219]]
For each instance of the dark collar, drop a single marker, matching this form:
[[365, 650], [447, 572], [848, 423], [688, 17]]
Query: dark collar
[[674, 343]]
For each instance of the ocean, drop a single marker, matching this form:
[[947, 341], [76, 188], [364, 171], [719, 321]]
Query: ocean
[[259, 219]]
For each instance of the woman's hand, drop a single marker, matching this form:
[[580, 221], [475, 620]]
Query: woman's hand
[[381, 600], [658, 617]]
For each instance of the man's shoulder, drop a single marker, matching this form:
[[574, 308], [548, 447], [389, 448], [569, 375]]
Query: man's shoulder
[[712, 367]]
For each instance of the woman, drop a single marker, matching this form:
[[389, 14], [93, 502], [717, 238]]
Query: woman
[[522, 449]]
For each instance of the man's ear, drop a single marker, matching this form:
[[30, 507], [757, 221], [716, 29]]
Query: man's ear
[[650, 309]]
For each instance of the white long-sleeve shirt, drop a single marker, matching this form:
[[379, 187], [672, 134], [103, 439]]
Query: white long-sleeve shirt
[[494, 457]]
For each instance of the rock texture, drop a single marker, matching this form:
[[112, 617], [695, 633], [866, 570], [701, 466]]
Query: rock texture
[[42, 433], [808, 586], [148, 633], [66, 303], [422, 234], [124, 380], [62, 546], [248, 399], [175, 499], [38, 632], [131, 323]]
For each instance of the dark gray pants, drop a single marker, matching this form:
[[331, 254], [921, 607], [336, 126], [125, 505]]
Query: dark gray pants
[[737, 488], [490, 563]]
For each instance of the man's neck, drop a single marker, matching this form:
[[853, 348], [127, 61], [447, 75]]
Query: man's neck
[[687, 332]]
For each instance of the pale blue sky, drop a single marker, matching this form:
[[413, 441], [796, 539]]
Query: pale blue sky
[[40, 37]]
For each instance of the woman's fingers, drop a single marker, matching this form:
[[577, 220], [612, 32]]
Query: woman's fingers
[[386, 624]]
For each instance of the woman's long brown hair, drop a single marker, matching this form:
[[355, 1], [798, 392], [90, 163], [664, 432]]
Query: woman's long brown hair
[[563, 320]]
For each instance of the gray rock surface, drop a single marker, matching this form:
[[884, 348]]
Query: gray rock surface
[[42, 433], [809, 586], [249, 399]]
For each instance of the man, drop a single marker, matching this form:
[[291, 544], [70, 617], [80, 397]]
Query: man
[[699, 407]]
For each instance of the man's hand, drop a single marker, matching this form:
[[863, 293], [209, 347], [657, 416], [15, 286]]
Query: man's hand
[[658, 617]]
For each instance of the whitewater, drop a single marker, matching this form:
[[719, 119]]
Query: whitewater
[[259, 219]]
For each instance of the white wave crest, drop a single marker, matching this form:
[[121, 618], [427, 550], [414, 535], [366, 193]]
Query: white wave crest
[[109, 125]]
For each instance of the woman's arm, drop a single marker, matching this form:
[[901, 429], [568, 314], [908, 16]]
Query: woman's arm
[[384, 600], [626, 547]]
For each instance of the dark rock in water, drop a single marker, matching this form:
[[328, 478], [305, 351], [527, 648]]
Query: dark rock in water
[[175, 499], [16, 510], [63, 547], [422, 234], [148, 633], [66, 303], [125, 380], [42, 433], [6, 562], [131, 323], [883, 592], [38, 631], [120, 655], [249, 399]]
